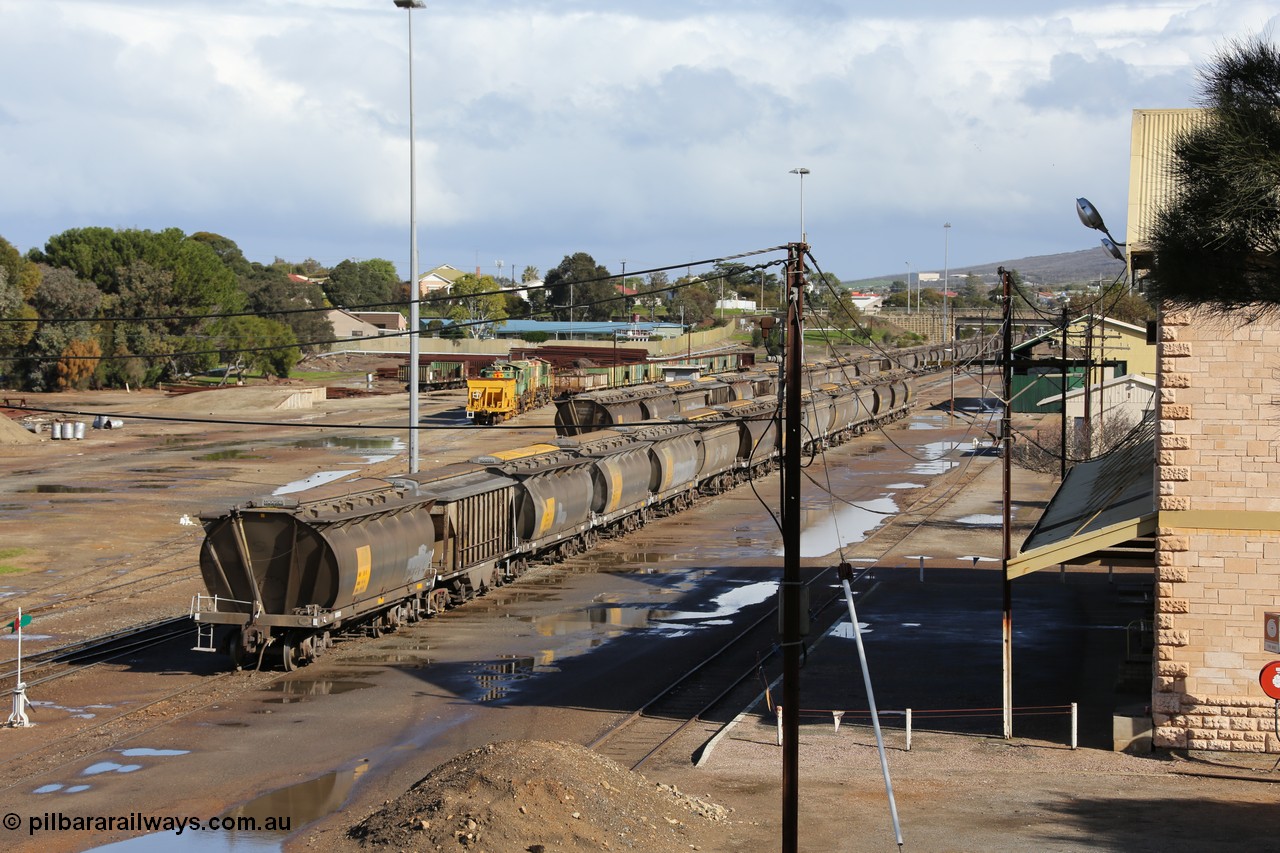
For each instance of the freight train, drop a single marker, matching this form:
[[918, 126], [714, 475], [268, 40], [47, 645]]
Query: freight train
[[508, 388], [284, 573]]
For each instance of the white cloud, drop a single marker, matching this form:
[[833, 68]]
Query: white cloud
[[660, 134]]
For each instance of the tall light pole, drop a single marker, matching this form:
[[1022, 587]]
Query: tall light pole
[[946, 286], [801, 171], [908, 263], [415, 324], [946, 276]]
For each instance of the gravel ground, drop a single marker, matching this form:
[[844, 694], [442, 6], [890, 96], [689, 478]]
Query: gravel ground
[[954, 792]]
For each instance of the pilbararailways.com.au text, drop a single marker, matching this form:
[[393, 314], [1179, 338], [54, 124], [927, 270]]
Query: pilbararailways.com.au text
[[139, 822]]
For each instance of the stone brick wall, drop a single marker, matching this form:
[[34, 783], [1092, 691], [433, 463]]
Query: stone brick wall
[[1216, 575]]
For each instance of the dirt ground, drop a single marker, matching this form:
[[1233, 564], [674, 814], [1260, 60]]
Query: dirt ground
[[97, 534]]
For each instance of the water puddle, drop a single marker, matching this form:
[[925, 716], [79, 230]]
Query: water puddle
[[373, 449], [302, 689], [844, 629], [82, 712], [905, 486], [223, 455], [824, 531], [406, 661], [724, 605], [931, 458], [982, 520], [276, 814], [497, 678], [607, 620], [109, 767], [626, 561], [66, 789], [145, 752]]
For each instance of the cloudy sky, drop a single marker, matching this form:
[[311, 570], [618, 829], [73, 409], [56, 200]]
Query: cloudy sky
[[656, 131]]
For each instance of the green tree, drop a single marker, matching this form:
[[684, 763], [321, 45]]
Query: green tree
[[694, 301], [226, 250], [21, 273], [1217, 241], [476, 304], [143, 293], [581, 282], [652, 293], [67, 306], [255, 344], [358, 283], [202, 283], [275, 296], [13, 308]]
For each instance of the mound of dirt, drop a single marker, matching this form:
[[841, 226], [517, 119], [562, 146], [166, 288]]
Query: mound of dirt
[[12, 433], [541, 796]]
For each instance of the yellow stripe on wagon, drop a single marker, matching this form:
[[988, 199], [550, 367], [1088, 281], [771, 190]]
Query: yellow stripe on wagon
[[364, 567], [523, 452]]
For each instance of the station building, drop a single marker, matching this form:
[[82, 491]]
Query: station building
[[1197, 499]]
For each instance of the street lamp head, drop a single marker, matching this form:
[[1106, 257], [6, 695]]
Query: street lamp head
[[1113, 248], [801, 171], [1089, 215], [411, 4]]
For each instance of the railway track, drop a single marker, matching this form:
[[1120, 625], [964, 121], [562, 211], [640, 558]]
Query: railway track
[[727, 675], [725, 678], [82, 654]]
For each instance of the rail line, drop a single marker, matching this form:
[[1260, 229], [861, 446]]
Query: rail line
[[687, 701], [95, 650], [706, 686]]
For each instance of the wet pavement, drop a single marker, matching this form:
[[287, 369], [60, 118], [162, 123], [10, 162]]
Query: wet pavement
[[559, 653]]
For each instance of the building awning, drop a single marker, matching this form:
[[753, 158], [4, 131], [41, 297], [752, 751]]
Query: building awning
[[1104, 513]]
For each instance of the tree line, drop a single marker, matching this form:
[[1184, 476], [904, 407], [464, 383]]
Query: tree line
[[102, 307]]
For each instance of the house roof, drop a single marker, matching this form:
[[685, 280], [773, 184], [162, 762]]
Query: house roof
[[443, 272], [1103, 513], [1080, 323], [1125, 379]]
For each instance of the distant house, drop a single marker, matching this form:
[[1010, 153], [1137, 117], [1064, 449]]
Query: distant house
[[1128, 400], [386, 321], [867, 303], [736, 304], [440, 278], [348, 325]]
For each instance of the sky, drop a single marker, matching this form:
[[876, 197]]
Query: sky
[[651, 132]]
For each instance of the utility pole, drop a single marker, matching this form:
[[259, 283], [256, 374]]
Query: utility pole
[[1088, 387], [1062, 465], [793, 610], [1006, 550]]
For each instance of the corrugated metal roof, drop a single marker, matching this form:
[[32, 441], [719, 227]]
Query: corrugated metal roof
[[1104, 504]]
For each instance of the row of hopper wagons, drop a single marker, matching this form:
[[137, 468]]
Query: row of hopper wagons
[[285, 573], [504, 388]]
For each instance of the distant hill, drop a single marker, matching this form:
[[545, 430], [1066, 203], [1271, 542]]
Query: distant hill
[[1087, 265]]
